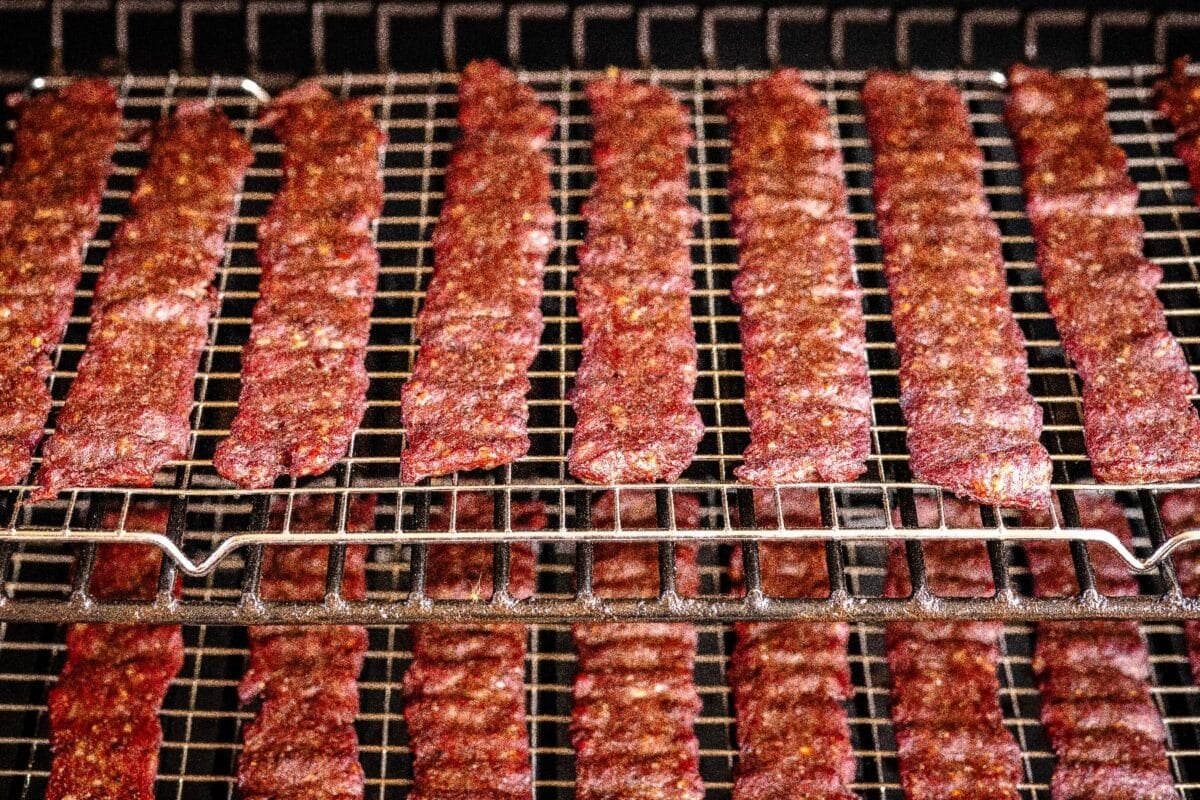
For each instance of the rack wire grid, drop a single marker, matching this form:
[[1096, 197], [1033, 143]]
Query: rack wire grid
[[212, 520], [202, 722]]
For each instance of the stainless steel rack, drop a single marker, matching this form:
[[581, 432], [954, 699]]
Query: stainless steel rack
[[203, 724], [212, 521]]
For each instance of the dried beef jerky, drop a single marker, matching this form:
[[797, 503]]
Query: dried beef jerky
[[464, 407], [302, 739], [104, 728], [1069, 162], [790, 680], [127, 411], [465, 689], [945, 694], [49, 209], [635, 699], [973, 427], [1138, 423], [1178, 99], [1112, 782], [319, 273], [1180, 512], [796, 262], [1094, 677], [633, 393]]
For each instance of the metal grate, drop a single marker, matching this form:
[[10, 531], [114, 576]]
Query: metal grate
[[212, 521], [202, 722]]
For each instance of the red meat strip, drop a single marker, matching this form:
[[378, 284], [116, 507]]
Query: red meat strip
[[464, 407], [973, 427], [465, 689], [633, 394], [1180, 512], [949, 726], [301, 742], [104, 729], [793, 736], [1139, 425], [304, 380], [49, 209], [635, 700], [1094, 676], [808, 394], [127, 411], [1178, 96]]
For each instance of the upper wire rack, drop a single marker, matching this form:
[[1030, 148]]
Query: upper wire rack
[[418, 113]]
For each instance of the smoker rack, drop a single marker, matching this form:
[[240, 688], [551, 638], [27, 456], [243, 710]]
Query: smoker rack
[[213, 522], [202, 722]]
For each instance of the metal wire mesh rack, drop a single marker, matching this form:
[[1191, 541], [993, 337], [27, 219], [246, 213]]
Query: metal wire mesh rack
[[202, 723], [214, 524]]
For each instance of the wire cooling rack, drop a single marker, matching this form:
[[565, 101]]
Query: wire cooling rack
[[203, 725], [213, 521]]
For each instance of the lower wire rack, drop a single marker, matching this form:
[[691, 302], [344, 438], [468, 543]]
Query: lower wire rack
[[203, 724]]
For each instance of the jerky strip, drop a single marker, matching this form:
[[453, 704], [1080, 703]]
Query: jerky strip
[[946, 711], [301, 742], [1138, 424], [465, 689], [464, 407], [1094, 676], [635, 700], [127, 411], [1178, 99], [49, 209], [105, 734], [973, 427], [304, 380], [790, 680], [633, 393], [808, 394], [1181, 511]]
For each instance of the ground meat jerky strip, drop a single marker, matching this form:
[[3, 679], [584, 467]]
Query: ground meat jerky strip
[[973, 427], [304, 380], [1138, 422], [465, 689], [127, 411], [49, 208], [104, 728], [1180, 512], [464, 407], [636, 419], [1094, 677], [808, 395], [1178, 96], [946, 711], [635, 700], [790, 680], [302, 742]]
